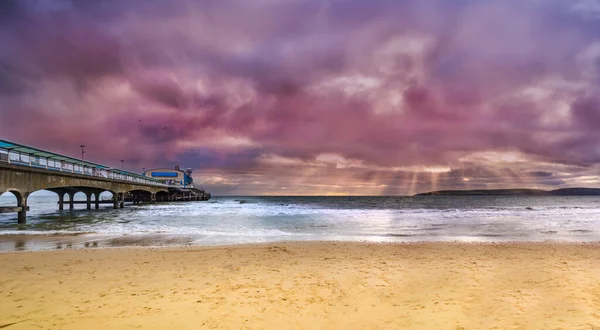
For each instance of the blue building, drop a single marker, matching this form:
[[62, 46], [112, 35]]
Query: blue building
[[174, 176]]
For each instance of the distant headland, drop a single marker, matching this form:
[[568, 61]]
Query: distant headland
[[516, 192]]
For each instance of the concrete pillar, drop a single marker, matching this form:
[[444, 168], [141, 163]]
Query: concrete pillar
[[115, 201], [71, 200], [97, 197], [61, 201], [122, 200], [22, 215], [153, 199], [89, 200]]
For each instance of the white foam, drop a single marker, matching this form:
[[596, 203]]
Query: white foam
[[231, 221]]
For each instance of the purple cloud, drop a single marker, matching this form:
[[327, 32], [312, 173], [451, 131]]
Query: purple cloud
[[389, 97]]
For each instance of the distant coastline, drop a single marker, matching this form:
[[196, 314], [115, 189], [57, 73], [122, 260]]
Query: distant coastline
[[516, 192]]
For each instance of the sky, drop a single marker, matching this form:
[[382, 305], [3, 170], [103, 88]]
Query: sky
[[312, 97]]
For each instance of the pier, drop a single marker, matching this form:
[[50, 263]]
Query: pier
[[24, 170]]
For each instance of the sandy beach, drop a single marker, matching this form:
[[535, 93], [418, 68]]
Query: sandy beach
[[321, 285]]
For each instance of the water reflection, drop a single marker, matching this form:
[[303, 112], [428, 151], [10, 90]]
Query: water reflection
[[19, 245]]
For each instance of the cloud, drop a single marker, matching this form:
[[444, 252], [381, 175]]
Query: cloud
[[541, 174], [355, 96]]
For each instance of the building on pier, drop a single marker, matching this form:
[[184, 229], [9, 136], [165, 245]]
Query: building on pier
[[181, 183], [173, 177]]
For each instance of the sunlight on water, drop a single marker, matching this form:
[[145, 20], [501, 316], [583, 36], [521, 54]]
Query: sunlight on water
[[232, 220]]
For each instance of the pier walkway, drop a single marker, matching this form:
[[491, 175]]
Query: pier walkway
[[24, 170]]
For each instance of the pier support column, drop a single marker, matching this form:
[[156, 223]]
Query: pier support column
[[61, 201], [97, 198], [153, 199], [122, 200], [88, 198], [22, 217], [115, 199], [71, 197], [22, 202]]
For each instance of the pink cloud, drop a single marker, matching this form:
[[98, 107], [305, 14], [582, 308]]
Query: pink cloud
[[387, 84]]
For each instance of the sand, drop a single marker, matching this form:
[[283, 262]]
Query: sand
[[305, 286]]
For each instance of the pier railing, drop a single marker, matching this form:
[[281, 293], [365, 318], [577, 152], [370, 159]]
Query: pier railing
[[50, 161]]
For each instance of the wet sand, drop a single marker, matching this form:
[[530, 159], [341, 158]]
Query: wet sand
[[320, 285], [81, 241]]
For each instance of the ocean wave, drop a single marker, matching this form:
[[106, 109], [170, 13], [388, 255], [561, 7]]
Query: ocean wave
[[194, 231], [243, 219]]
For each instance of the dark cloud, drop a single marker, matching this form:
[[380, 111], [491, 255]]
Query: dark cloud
[[396, 86], [552, 182], [540, 174]]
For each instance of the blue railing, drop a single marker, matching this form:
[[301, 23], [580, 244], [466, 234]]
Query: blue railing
[[65, 164]]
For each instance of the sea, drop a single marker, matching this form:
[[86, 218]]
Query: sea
[[239, 220]]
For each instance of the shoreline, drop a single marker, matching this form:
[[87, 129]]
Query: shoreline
[[305, 285], [83, 241]]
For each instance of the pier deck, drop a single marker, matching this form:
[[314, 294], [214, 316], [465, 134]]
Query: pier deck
[[24, 170]]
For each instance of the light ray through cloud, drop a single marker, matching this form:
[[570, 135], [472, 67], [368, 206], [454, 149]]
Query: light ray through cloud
[[312, 97]]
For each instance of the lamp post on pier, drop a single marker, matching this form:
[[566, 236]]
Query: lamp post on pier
[[82, 152], [122, 162]]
